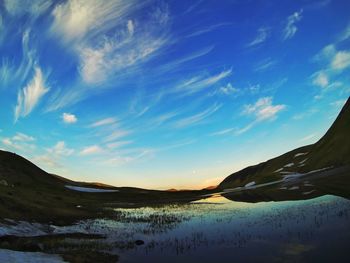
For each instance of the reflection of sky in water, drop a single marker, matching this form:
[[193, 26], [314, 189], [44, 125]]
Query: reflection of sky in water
[[215, 228]]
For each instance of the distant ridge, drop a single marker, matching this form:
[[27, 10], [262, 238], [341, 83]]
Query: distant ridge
[[332, 150]]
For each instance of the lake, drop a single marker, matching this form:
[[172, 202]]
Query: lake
[[217, 229]]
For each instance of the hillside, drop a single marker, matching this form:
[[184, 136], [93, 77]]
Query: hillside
[[29, 193], [332, 150]]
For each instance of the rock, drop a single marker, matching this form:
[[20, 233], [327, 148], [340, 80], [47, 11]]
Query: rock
[[139, 242], [4, 183]]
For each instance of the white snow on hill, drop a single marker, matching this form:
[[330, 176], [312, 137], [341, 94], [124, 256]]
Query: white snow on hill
[[28, 257]]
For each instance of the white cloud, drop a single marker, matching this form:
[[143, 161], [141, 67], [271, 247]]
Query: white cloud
[[195, 119], [262, 34], [69, 118], [60, 149], [291, 28], [103, 122], [341, 60], [320, 79], [114, 54], [228, 89], [78, 19], [90, 150], [263, 109], [29, 96]]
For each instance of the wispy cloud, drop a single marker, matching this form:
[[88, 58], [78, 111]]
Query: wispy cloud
[[223, 132], [104, 122], [198, 83], [117, 135], [290, 28], [30, 95], [118, 144], [192, 7], [262, 35], [127, 43], [178, 62], [207, 29], [197, 118], [265, 65], [91, 150], [69, 118], [23, 137]]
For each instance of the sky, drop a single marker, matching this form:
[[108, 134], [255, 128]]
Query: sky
[[168, 94]]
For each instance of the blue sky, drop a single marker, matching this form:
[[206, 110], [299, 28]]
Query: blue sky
[[163, 94]]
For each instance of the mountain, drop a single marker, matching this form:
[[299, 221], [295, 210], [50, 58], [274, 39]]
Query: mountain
[[29, 193], [332, 150]]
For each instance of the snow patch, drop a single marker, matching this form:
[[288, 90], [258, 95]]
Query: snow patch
[[289, 165], [278, 170], [292, 176], [23, 228], [303, 161], [300, 154], [89, 190], [307, 193], [28, 257], [250, 184], [294, 188]]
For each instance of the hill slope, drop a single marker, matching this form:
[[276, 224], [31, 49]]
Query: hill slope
[[332, 150]]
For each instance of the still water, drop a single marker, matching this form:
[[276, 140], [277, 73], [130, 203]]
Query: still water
[[219, 230]]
